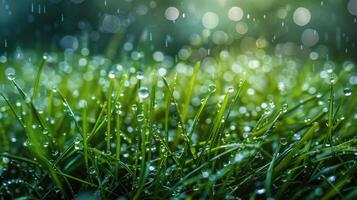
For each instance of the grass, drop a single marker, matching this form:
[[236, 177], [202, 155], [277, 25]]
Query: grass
[[86, 126]]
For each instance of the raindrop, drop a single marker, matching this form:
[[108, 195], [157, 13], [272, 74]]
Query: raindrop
[[151, 168], [283, 141], [205, 174], [211, 88], [332, 80], [140, 75], [5, 160], [230, 89], [143, 92], [91, 170], [347, 92], [111, 75], [284, 108], [261, 191], [11, 76], [332, 179], [140, 117], [45, 144]]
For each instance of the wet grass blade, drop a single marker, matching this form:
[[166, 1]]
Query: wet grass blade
[[286, 161], [191, 86], [330, 113], [37, 79], [269, 176], [13, 111], [109, 114]]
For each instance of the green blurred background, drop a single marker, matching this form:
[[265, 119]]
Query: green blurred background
[[328, 27]]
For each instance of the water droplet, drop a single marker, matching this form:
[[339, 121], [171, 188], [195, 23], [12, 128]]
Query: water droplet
[[211, 88], [140, 117], [45, 132], [283, 141], [45, 144], [284, 109], [347, 92], [205, 174], [261, 191], [319, 191], [140, 75], [332, 179], [143, 92], [230, 89], [91, 170], [332, 80], [111, 75], [5, 160], [11, 76], [297, 136]]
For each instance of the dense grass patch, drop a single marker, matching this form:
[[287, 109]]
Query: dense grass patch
[[252, 126]]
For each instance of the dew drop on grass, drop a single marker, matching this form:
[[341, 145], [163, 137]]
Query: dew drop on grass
[[297, 136], [238, 157], [230, 89], [284, 108], [143, 92], [140, 117], [332, 80], [332, 179], [5, 160], [205, 174], [140, 75], [55, 153], [111, 75], [260, 191], [151, 168], [45, 144], [211, 88], [91, 170], [283, 141], [347, 92], [11, 76], [77, 142]]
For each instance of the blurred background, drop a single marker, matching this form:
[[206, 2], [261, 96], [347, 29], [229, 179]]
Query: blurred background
[[290, 27]]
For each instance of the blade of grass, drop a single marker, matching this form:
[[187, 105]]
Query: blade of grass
[[189, 91], [37, 79], [286, 161]]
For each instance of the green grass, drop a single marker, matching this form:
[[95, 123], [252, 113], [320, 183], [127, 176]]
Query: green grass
[[285, 129]]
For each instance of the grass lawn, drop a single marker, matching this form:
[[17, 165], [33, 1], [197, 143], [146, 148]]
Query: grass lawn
[[249, 126]]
